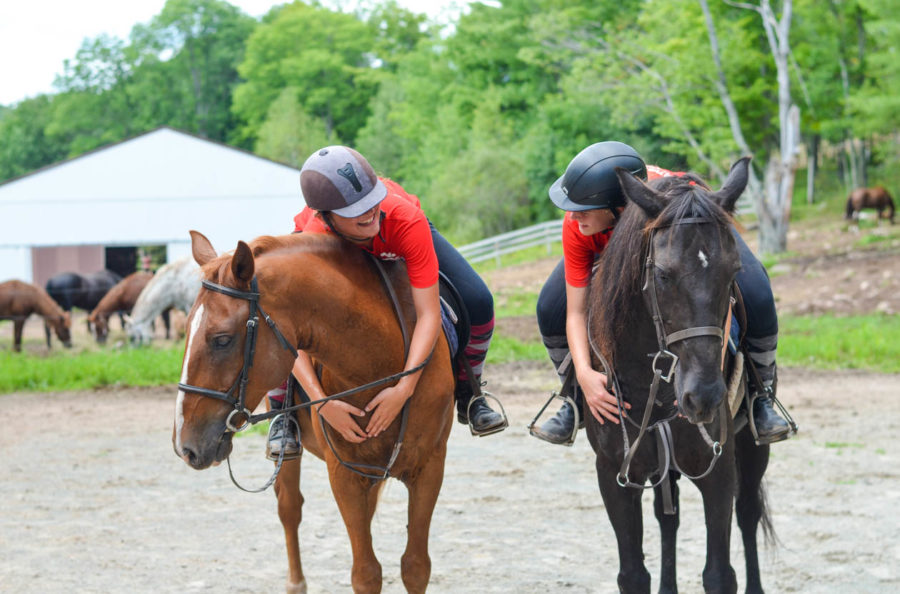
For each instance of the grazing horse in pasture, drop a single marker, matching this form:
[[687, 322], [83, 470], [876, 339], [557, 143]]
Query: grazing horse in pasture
[[175, 285], [877, 198], [324, 296], [120, 299], [664, 287], [19, 299], [85, 291]]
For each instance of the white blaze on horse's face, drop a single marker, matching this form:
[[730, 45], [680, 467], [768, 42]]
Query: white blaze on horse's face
[[704, 261], [179, 401]]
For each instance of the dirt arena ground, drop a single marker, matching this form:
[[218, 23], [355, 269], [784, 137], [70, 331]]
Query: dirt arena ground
[[94, 500]]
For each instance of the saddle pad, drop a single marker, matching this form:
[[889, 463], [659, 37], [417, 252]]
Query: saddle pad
[[447, 322]]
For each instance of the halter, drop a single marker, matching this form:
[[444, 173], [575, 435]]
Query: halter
[[665, 442]]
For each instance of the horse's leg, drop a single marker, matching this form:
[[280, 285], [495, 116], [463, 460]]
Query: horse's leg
[[717, 490], [122, 319], [752, 461], [18, 324], [623, 506], [668, 527], [415, 565], [165, 317], [356, 498], [290, 511]]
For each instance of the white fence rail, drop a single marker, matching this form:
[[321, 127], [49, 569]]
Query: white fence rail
[[506, 243]]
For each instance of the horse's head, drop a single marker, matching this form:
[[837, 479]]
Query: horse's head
[[100, 323], [62, 326], [690, 262], [139, 333], [218, 359]]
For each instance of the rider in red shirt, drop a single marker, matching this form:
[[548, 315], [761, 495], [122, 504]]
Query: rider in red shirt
[[345, 197], [590, 194]]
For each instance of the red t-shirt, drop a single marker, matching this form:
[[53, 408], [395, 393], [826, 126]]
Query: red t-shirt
[[405, 234], [580, 251]]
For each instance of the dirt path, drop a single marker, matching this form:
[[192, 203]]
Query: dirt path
[[94, 500]]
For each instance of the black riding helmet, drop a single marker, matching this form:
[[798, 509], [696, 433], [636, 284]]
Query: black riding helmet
[[590, 179]]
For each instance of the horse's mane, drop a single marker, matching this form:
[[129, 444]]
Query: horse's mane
[[266, 245], [615, 297]]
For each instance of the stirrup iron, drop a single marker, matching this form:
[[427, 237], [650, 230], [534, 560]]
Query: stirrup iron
[[564, 398], [484, 396]]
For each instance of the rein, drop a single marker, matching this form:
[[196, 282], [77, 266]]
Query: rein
[[665, 442], [240, 383]]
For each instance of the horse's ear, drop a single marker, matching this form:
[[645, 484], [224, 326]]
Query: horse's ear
[[638, 192], [66, 319], [202, 248], [242, 266], [734, 185]]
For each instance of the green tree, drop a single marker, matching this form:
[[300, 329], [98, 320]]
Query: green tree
[[324, 54], [289, 134], [23, 144]]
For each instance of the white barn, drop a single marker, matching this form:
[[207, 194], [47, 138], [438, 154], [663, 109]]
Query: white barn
[[148, 190]]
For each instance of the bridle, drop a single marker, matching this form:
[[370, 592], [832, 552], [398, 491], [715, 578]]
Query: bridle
[[243, 378], [665, 442]]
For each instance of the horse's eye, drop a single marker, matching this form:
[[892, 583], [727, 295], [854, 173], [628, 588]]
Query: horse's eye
[[221, 341]]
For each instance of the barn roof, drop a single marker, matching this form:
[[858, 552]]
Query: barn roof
[[150, 188]]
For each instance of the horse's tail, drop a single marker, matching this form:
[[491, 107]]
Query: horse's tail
[[890, 204]]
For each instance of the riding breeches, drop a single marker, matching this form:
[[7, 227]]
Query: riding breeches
[[476, 297]]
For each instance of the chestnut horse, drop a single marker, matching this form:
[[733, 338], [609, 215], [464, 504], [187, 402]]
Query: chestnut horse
[[120, 299], [174, 286], [325, 297], [663, 287], [19, 299], [877, 198]]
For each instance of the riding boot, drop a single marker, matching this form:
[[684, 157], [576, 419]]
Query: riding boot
[[770, 427], [481, 417], [284, 430], [560, 428]]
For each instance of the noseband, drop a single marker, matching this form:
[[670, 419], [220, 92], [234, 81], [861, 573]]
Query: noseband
[[240, 384]]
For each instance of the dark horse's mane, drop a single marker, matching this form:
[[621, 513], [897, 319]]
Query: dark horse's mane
[[615, 298]]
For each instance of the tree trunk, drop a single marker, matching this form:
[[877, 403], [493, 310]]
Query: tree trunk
[[812, 163]]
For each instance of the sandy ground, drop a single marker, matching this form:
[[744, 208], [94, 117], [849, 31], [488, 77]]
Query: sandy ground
[[94, 500]]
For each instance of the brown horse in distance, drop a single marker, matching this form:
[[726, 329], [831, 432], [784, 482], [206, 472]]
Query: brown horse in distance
[[877, 198], [327, 300], [121, 298], [19, 299]]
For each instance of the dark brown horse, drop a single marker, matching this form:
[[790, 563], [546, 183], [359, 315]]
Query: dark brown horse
[[663, 288], [120, 299], [877, 198], [19, 299], [327, 299]]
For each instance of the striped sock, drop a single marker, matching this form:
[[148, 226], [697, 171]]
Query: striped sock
[[476, 349]]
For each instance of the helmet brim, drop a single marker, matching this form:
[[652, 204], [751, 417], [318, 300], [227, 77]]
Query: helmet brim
[[365, 203], [561, 201]]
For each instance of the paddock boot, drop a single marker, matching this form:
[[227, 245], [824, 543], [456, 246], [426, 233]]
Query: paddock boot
[[770, 427], [480, 417], [283, 431], [560, 428]]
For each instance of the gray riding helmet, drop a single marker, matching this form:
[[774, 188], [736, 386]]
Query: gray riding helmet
[[338, 179], [590, 180]]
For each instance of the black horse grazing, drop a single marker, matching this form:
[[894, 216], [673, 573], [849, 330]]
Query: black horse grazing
[[664, 288], [71, 289]]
